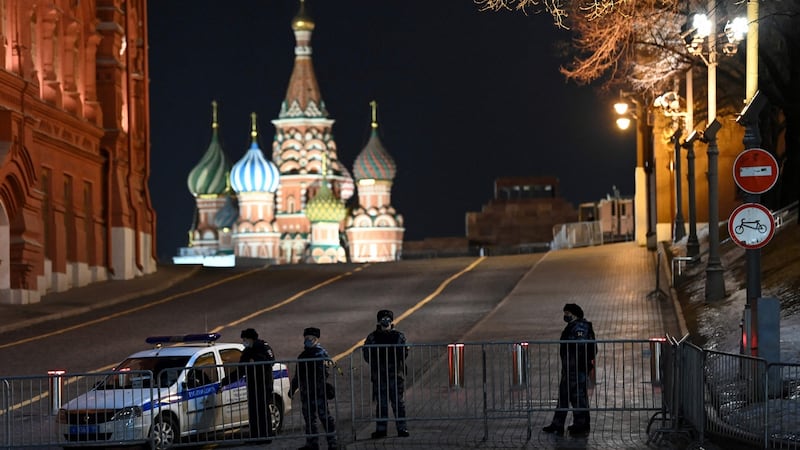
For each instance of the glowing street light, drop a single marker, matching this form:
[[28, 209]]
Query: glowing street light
[[703, 30], [645, 161]]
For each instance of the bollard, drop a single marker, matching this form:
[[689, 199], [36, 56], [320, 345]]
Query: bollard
[[56, 385], [455, 359], [656, 346], [520, 364]]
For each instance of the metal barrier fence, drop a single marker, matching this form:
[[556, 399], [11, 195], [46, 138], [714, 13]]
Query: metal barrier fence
[[502, 392], [499, 392], [783, 407], [733, 396], [576, 234], [32, 416]]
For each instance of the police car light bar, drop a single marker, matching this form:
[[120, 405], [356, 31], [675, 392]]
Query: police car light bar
[[204, 337]]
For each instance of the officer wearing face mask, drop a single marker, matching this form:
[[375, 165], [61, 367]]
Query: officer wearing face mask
[[311, 378], [385, 351], [258, 373], [577, 359]]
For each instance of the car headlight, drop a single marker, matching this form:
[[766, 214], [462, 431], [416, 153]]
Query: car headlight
[[127, 413]]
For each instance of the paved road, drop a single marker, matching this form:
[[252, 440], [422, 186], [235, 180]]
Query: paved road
[[495, 299]]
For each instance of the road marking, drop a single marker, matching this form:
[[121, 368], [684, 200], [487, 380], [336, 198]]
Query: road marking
[[44, 395], [288, 300], [419, 304], [132, 310]]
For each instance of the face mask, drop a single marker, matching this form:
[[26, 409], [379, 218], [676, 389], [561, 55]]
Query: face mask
[[385, 322], [248, 343], [568, 319], [308, 343]]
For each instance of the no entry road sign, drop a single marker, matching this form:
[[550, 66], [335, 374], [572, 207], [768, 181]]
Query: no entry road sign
[[751, 226], [755, 171]]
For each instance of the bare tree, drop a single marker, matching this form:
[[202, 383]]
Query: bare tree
[[640, 45]]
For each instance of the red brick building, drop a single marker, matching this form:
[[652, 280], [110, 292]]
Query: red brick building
[[74, 145], [523, 211]]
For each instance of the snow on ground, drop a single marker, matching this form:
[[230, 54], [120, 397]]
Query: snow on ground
[[718, 326]]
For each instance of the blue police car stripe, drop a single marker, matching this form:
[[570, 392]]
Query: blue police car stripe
[[204, 391]]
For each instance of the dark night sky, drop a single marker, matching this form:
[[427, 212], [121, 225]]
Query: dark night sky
[[464, 97]]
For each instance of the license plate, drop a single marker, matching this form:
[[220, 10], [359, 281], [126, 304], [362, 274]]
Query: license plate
[[83, 429]]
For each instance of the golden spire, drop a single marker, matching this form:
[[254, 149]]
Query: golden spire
[[374, 105], [253, 130], [214, 123]]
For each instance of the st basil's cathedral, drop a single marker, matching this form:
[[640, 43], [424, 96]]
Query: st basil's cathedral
[[294, 208]]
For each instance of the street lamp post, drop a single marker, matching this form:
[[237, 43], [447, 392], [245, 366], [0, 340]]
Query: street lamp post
[[679, 226], [644, 159], [705, 28], [692, 244], [670, 105], [715, 282]]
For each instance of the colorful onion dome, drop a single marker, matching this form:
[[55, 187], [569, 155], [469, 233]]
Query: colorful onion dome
[[227, 215], [374, 162], [302, 21], [325, 207], [254, 173], [210, 175]]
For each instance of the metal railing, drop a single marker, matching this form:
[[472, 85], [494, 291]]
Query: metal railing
[[457, 394]]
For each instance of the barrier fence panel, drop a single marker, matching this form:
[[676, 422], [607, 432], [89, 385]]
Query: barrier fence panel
[[68, 409], [506, 391], [692, 389], [783, 406], [735, 387]]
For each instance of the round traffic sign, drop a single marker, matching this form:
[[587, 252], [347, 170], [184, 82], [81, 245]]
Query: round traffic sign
[[755, 171], [751, 225]]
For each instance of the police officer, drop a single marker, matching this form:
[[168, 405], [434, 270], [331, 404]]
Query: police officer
[[311, 378], [259, 382], [577, 359], [385, 351]]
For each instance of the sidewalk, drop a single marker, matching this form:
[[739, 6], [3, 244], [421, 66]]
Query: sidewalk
[[76, 301]]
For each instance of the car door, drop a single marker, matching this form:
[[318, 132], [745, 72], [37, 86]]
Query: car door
[[200, 391], [233, 396]]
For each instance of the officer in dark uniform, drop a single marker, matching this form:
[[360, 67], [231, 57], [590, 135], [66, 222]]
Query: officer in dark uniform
[[385, 351], [259, 382], [577, 359], [311, 377]]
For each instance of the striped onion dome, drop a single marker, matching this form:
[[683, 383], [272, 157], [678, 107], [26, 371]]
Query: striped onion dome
[[374, 162], [210, 175], [227, 215], [254, 173]]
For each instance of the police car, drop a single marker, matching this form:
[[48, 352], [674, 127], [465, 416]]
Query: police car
[[169, 392]]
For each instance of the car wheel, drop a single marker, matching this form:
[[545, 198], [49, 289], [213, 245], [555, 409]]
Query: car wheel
[[164, 432], [276, 414]]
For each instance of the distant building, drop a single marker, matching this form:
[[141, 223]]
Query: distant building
[[74, 146], [523, 211], [294, 208], [615, 215]]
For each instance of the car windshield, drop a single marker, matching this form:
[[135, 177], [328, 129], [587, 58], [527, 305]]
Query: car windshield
[[165, 368]]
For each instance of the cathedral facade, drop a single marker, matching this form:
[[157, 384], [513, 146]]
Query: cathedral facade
[[298, 206], [74, 146]]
